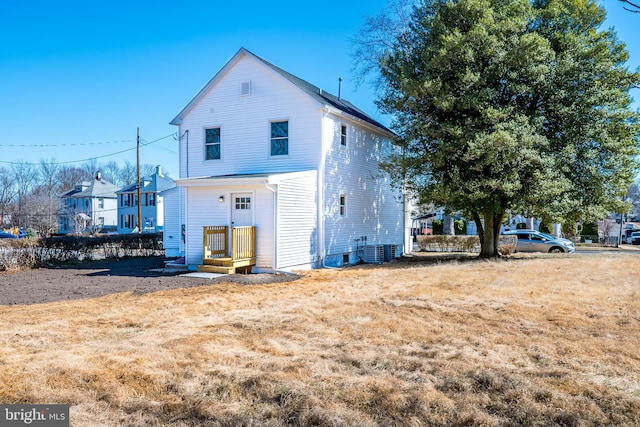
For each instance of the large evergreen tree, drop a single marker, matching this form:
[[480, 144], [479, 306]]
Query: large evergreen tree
[[507, 104]]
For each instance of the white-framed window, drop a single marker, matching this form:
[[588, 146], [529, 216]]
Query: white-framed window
[[343, 205], [243, 203], [100, 203], [279, 138], [212, 144], [343, 134]]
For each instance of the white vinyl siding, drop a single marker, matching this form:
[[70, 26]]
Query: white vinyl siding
[[297, 222], [171, 236], [204, 210], [373, 208], [246, 125]]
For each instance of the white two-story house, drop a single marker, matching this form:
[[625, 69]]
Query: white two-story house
[[151, 205], [89, 207], [297, 168]]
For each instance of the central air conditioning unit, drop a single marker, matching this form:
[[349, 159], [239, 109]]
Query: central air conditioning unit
[[374, 254], [390, 252]]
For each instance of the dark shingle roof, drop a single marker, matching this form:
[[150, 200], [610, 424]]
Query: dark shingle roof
[[97, 187], [151, 184], [323, 96]]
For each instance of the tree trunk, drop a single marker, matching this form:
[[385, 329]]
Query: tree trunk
[[489, 232], [448, 226]]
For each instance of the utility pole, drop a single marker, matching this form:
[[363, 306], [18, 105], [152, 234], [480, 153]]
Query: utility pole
[[138, 173]]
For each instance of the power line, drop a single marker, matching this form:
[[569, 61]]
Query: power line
[[166, 150], [91, 158], [71, 144]]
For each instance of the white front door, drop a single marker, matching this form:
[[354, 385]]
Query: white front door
[[241, 209]]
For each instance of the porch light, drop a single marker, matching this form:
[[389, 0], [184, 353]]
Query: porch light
[[221, 199]]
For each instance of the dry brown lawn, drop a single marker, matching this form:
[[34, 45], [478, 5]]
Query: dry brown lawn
[[534, 341]]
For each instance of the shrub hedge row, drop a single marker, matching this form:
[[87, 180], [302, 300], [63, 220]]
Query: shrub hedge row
[[444, 243], [31, 252]]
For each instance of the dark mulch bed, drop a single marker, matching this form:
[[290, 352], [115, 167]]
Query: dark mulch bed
[[99, 278]]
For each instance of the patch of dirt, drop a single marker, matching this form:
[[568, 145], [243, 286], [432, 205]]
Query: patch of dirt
[[96, 279]]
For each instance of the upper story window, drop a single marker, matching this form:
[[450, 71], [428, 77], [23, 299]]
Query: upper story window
[[100, 203], [212, 144], [280, 138], [343, 135], [343, 205]]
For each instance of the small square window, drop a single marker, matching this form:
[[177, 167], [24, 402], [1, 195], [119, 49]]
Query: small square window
[[280, 138], [212, 144], [343, 205], [243, 202], [343, 135]]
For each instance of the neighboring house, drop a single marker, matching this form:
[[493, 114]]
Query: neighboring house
[[151, 208], [267, 151], [89, 207]]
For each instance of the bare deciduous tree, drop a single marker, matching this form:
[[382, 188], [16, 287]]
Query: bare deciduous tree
[[25, 176], [7, 195], [631, 6]]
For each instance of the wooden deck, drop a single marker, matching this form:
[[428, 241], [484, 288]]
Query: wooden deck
[[228, 256]]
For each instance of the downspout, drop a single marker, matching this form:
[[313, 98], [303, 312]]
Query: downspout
[[275, 225]]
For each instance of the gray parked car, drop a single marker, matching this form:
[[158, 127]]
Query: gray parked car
[[535, 241]]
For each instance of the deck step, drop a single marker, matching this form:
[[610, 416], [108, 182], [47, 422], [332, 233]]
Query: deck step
[[225, 261], [216, 269]]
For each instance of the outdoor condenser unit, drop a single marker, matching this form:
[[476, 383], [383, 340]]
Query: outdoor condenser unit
[[374, 254]]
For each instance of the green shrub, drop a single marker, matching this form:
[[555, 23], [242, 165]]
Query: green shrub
[[589, 229], [460, 226], [544, 228], [438, 226], [58, 249], [570, 228]]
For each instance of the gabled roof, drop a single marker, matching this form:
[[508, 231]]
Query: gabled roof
[[151, 184], [325, 98], [97, 187]]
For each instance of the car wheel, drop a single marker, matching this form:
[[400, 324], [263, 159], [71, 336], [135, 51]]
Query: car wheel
[[556, 250]]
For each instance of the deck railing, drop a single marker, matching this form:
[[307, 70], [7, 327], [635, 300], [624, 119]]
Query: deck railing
[[216, 242], [243, 242]]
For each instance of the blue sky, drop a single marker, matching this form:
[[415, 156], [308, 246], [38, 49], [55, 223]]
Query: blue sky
[[78, 78]]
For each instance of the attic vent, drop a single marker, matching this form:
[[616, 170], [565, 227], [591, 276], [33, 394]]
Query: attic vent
[[246, 88]]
